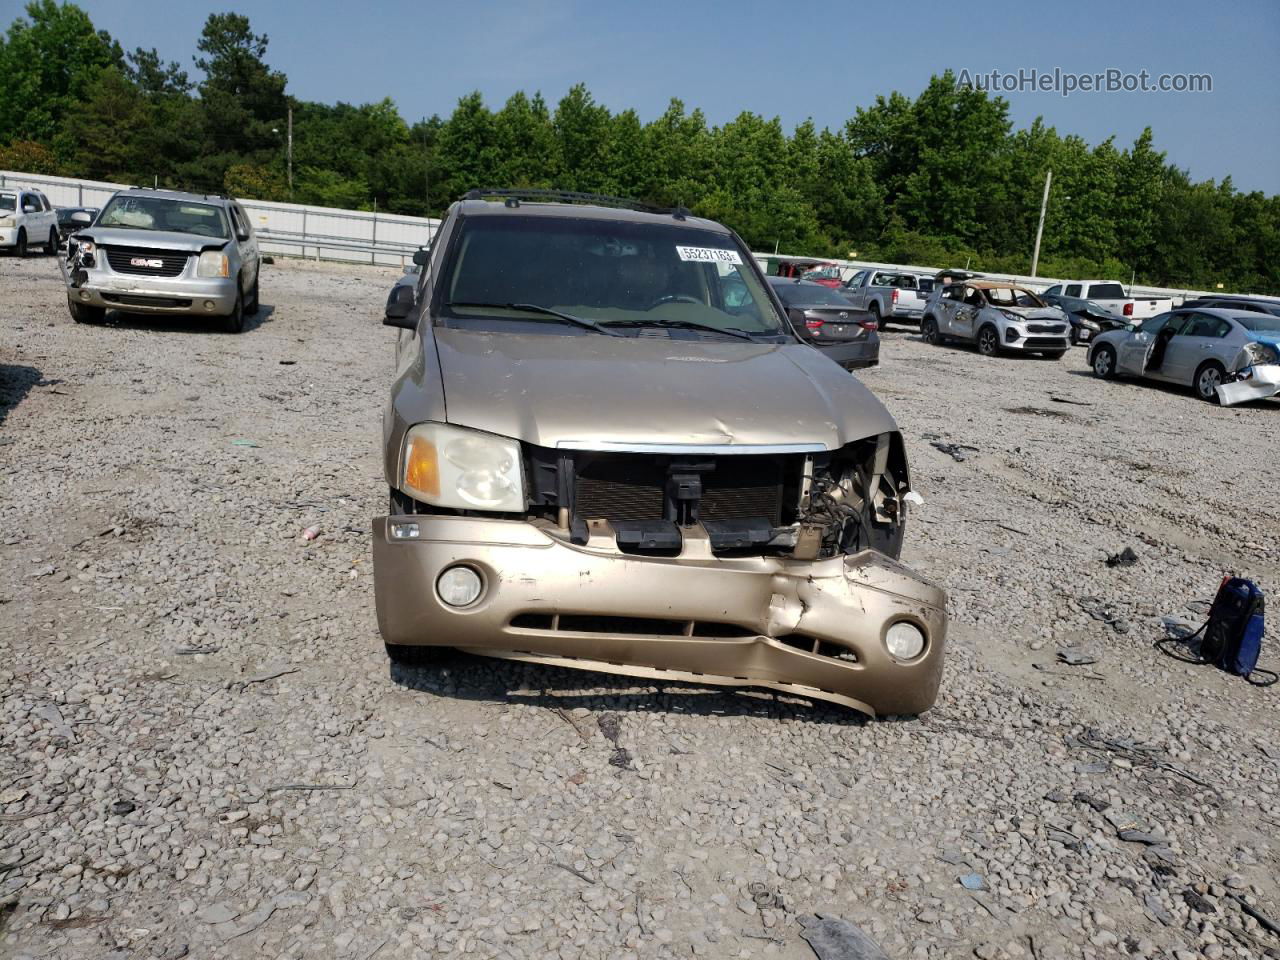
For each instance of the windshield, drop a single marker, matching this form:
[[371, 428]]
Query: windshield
[[810, 295], [1013, 297], [8, 202], [1259, 323], [608, 271], [161, 213]]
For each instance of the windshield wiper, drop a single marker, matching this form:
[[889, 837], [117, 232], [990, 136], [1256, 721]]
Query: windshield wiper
[[687, 325], [535, 308]]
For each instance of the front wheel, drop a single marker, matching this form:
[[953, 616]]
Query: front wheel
[[252, 306], [929, 331], [85, 313], [51, 245], [20, 245], [1104, 363], [988, 341], [1208, 378], [234, 321]]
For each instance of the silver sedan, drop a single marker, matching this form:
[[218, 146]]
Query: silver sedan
[[1228, 356]]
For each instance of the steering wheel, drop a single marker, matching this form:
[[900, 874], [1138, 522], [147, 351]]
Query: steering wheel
[[673, 298]]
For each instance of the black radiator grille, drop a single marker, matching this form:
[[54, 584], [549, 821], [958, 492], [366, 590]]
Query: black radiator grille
[[634, 487], [1045, 343], [150, 263]]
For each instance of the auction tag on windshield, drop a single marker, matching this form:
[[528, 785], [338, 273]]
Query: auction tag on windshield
[[707, 255]]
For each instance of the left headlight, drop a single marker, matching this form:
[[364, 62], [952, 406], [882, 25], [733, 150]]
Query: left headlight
[[213, 263], [1261, 353], [464, 469], [1015, 317]]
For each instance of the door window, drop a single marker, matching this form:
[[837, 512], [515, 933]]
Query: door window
[[1204, 325], [1073, 289], [1154, 324]]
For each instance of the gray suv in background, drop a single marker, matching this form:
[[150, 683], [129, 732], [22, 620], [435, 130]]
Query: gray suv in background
[[165, 252]]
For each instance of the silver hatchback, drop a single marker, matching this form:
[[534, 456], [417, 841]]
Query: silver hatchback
[[165, 252]]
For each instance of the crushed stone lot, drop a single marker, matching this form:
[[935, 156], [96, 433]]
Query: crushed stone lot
[[204, 752]]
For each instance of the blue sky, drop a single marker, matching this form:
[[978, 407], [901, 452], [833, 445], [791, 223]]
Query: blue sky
[[772, 59]]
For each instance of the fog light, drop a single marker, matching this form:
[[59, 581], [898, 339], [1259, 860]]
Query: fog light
[[459, 586], [904, 641], [405, 531], [209, 304], [84, 294]]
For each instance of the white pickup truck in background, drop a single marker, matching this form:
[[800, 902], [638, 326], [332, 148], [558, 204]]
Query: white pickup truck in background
[[1110, 295], [888, 294]]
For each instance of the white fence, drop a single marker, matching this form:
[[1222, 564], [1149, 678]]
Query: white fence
[[359, 236], [291, 229]]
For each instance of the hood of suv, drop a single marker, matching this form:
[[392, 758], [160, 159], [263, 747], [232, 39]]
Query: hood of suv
[[151, 239], [573, 391], [1035, 313]]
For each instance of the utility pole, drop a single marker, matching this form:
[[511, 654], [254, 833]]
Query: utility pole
[[289, 151], [1044, 204]]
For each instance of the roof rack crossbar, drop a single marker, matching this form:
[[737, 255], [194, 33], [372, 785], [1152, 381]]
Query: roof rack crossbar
[[512, 198]]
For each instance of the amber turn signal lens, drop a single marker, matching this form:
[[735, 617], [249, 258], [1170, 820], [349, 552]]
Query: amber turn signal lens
[[421, 468]]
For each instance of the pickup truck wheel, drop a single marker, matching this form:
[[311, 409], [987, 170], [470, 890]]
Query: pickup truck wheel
[[234, 321], [20, 245], [404, 656], [988, 341], [51, 245], [1209, 377], [1104, 362], [875, 315], [251, 307], [85, 313], [929, 331]]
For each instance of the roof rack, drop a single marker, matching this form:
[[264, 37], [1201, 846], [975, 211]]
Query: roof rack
[[512, 198]]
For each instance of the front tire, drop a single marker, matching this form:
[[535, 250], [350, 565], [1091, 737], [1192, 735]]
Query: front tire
[[1209, 377], [1104, 363], [252, 306], [51, 245], [988, 341], [234, 321], [405, 656], [929, 331], [85, 313], [20, 245]]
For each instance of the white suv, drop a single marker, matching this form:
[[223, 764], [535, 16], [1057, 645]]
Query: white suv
[[27, 219]]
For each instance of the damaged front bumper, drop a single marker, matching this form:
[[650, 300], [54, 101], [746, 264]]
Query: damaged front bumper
[[1252, 383], [812, 628]]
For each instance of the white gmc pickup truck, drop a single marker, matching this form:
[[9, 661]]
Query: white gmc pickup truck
[[1110, 295]]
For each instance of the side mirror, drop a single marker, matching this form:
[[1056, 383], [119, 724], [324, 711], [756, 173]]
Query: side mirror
[[399, 306], [82, 216], [421, 256]]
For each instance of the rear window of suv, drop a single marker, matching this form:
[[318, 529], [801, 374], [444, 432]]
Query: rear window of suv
[[1106, 291]]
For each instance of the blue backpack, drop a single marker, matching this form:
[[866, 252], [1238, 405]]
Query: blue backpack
[[1231, 639]]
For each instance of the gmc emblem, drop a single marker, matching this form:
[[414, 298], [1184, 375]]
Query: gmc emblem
[[144, 262]]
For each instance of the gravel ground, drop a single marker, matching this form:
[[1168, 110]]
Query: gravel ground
[[204, 751]]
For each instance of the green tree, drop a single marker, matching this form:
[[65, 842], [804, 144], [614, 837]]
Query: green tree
[[47, 64], [103, 133]]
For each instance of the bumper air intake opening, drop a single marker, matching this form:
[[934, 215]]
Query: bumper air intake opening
[[822, 648], [637, 626]]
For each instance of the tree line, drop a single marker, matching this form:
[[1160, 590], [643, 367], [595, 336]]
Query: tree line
[[941, 178]]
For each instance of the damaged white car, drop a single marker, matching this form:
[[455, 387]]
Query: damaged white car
[[1227, 356]]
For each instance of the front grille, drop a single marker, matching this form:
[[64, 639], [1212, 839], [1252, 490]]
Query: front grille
[[1045, 328], [1044, 343], [131, 300], [635, 487], [158, 263]]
